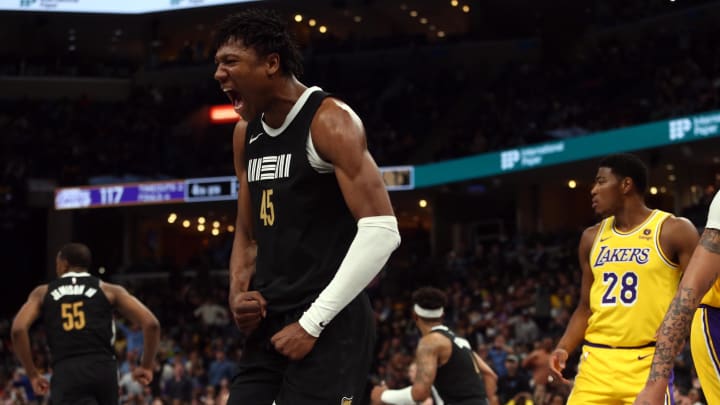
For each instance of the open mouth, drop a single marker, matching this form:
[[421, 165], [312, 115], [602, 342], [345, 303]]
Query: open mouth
[[235, 98]]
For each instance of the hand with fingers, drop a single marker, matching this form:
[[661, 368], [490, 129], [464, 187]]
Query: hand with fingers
[[248, 309], [558, 358], [142, 375], [293, 341], [376, 393], [40, 385]]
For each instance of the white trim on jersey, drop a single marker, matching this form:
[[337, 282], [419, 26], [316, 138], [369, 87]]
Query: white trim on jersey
[[291, 114], [316, 162], [319, 164], [75, 274]]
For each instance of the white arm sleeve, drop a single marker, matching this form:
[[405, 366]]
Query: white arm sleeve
[[398, 397], [714, 213], [376, 238]]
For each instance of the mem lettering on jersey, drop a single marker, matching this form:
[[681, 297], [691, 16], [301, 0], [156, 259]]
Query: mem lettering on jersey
[[77, 289], [269, 168], [622, 255]]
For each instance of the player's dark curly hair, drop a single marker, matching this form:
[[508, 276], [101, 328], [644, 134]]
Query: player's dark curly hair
[[430, 298], [77, 255], [264, 31], [628, 165]]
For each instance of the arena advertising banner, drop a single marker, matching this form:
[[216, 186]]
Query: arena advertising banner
[[109, 7], [396, 178], [646, 136]]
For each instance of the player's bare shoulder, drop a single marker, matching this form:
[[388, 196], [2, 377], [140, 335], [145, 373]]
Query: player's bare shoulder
[[435, 343], [336, 126], [678, 235], [239, 133], [112, 291], [39, 292], [588, 236], [675, 224]]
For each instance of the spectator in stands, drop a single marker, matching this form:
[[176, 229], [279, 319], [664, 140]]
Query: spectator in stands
[[515, 384]]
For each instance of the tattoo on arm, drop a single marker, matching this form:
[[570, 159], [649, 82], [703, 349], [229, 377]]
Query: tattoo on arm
[[710, 240], [673, 332], [426, 365]]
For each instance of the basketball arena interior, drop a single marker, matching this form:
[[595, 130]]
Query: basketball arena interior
[[486, 118]]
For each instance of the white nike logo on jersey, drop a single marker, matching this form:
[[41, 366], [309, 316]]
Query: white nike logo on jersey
[[254, 138]]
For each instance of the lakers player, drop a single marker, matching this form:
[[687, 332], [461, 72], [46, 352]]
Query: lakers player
[[700, 278], [631, 264]]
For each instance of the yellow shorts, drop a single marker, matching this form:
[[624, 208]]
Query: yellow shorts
[[704, 343], [611, 376]]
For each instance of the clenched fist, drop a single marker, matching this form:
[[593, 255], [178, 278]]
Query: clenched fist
[[248, 309]]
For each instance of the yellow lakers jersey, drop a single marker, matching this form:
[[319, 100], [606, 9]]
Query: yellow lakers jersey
[[712, 297], [634, 282]]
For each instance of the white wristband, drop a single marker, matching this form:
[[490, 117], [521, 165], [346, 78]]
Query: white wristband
[[398, 397], [713, 220], [376, 238]]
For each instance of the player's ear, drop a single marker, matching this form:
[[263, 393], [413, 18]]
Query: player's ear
[[272, 63], [627, 185]]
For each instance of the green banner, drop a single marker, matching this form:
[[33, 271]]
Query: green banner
[[646, 136]]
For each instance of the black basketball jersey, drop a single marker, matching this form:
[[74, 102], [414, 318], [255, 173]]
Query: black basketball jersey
[[459, 380], [78, 317], [302, 225]]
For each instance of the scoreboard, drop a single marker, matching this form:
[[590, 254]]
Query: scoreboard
[[223, 188]]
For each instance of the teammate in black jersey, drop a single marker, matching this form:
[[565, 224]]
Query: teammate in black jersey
[[314, 225], [77, 311], [444, 361]]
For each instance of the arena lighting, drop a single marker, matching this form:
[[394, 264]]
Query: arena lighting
[[201, 228], [312, 22], [653, 190], [572, 184], [201, 220], [216, 224], [230, 228], [186, 224], [423, 203], [322, 29], [215, 232], [221, 114], [466, 8], [298, 18], [172, 218]]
